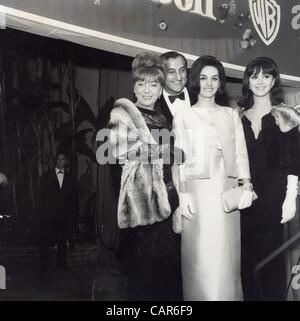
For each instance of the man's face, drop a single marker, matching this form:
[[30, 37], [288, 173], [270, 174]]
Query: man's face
[[175, 75], [61, 161]]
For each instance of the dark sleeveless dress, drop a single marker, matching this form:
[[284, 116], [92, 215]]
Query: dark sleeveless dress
[[272, 156]]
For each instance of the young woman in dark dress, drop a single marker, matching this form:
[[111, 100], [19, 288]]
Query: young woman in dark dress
[[273, 156]]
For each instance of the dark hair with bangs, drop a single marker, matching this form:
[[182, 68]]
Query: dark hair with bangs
[[148, 73], [267, 66], [193, 83]]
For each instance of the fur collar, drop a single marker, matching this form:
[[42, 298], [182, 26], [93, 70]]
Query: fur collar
[[134, 116], [143, 197]]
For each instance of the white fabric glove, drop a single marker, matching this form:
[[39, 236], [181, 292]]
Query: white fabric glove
[[3, 179], [186, 205], [289, 204], [246, 199]]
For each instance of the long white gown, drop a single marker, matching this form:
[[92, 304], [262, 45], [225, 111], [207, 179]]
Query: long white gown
[[211, 239]]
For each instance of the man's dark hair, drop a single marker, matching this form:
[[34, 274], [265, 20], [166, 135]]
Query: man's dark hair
[[61, 153], [173, 54]]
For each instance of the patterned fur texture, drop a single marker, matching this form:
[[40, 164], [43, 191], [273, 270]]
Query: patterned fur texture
[[143, 197], [290, 116]]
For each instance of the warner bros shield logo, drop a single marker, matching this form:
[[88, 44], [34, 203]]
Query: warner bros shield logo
[[265, 16]]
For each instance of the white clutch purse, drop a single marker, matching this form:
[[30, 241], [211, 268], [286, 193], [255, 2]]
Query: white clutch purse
[[231, 198]]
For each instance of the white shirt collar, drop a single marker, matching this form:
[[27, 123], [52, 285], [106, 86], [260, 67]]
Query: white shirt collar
[[58, 170], [177, 103]]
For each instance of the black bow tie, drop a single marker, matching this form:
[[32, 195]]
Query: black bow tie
[[60, 172], [173, 98]]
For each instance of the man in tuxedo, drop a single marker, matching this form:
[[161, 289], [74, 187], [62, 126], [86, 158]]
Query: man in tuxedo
[[57, 207], [175, 94]]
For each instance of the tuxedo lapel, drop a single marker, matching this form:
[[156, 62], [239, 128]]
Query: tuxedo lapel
[[66, 179], [165, 110], [56, 181], [164, 107]]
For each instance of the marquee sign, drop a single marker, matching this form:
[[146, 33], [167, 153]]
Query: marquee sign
[[194, 27], [266, 16], [200, 7]]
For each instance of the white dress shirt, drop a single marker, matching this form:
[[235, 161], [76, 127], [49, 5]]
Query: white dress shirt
[[60, 176], [178, 103]]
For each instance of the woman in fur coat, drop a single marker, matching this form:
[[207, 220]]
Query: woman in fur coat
[[149, 250]]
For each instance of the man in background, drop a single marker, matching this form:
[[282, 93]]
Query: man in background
[[57, 208]]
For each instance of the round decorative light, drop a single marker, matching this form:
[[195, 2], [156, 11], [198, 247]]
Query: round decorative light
[[162, 25]]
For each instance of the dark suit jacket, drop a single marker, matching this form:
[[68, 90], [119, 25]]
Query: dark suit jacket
[[57, 204], [162, 104]]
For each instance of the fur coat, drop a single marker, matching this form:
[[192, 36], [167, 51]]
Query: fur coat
[[143, 197], [287, 117]]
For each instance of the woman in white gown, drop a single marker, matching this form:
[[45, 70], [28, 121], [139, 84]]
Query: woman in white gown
[[216, 158]]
